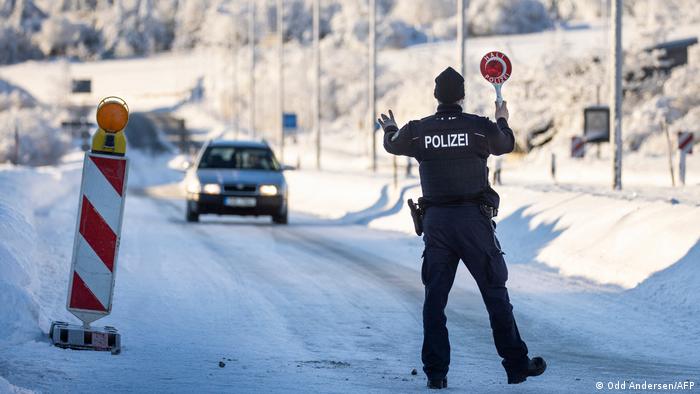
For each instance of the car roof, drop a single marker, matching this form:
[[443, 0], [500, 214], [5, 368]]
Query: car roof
[[240, 143]]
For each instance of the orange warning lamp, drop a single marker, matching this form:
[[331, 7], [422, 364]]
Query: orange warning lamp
[[112, 117], [112, 114]]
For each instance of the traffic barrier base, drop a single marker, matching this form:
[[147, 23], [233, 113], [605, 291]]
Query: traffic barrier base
[[72, 336]]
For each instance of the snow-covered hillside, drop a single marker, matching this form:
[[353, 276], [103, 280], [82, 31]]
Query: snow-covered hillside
[[416, 41]]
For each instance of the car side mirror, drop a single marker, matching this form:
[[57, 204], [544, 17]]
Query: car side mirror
[[286, 167], [184, 166]]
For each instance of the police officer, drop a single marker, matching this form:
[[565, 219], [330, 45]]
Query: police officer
[[451, 148]]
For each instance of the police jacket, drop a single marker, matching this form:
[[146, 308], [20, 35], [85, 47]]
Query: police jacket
[[451, 148]]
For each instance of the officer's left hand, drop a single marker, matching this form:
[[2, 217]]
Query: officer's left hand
[[386, 121]]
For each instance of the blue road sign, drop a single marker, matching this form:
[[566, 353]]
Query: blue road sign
[[289, 121]]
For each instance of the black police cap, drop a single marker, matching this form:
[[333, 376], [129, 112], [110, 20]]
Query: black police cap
[[449, 86]]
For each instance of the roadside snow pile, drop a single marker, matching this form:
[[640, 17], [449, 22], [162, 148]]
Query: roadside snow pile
[[609, 240], [651, 248], [6, 387], [676, 285], [18, 275], [40, 142]]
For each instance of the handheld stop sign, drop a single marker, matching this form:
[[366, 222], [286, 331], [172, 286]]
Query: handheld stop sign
[[496, 68]]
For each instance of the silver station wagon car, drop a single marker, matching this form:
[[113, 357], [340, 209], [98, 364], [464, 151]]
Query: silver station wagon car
[[232, 177]]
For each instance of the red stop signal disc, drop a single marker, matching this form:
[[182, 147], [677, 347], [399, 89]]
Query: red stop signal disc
[[495, 67]]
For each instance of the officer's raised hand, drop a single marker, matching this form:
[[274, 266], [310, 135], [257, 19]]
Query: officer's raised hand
[[388, 123], [502, 110]]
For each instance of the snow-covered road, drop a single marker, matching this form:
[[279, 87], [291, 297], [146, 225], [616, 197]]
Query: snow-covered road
[[316, 306]]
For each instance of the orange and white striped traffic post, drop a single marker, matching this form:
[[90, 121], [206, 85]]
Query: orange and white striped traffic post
[[98, 229]]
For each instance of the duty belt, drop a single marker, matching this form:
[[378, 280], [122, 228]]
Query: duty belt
[[418, 209]]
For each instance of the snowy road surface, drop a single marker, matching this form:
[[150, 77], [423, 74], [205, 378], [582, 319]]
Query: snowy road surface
[[316, 306]]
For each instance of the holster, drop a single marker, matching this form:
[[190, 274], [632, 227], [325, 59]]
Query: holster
[[417, 213], [489, 211]]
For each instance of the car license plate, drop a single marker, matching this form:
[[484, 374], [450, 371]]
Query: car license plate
[[240, 202]]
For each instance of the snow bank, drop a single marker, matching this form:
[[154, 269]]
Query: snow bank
[[34, 260], [18, 275], [650, 246], [604, 239], [6, 387], [40, 141]]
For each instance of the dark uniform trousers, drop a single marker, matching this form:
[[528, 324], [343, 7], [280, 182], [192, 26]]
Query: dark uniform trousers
[[463, 232]]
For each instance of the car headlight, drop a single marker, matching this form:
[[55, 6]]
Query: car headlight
[[211, 188], [193, 187], [268, 190]]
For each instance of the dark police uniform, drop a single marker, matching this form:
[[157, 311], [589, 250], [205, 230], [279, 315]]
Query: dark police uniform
[[451, 148]]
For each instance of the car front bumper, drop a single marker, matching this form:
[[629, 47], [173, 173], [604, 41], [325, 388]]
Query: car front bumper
[[215, 203]]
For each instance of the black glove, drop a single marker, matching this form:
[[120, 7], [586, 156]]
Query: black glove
[[388, 123]]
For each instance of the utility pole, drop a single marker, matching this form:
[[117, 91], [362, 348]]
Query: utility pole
[[616, 93], [280, 71], [234, 67], [15, 160], [372, 86], [251, 42], [317, 77], [462, 37]]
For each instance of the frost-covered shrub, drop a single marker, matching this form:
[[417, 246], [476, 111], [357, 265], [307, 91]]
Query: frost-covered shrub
[[140, 28], [399, 34], [12, 96], [60, 36], [16, 46], [653, 13], [487, 17], [40, 141], [189, 20], [577, 10], [391, 33], [423, 12]]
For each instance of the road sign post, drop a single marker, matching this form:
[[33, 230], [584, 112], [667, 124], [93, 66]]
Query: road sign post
[[685, 145], [289, 124], [97, 234], [496, 68], [616, 91], [578, 147]]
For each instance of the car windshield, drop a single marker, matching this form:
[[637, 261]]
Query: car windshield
[[240, 158]]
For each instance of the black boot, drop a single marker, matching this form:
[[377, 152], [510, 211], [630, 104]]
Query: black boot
[[535, 367], [437, 383]]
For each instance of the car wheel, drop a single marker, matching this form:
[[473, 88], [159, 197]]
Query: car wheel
[[191, 216], [282, 218]]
